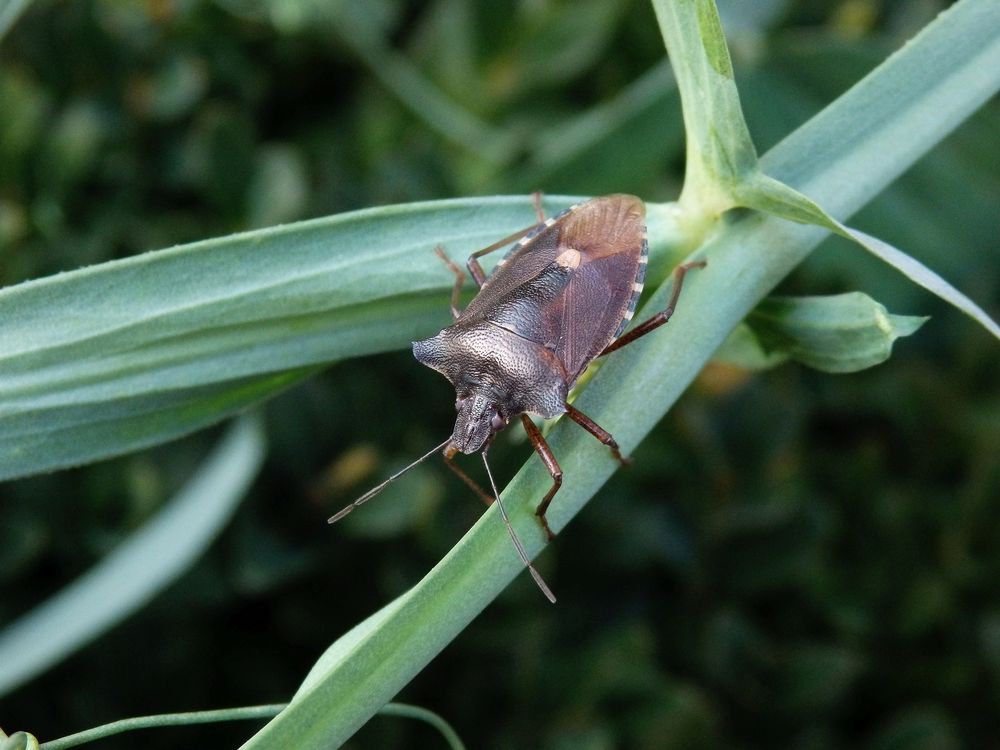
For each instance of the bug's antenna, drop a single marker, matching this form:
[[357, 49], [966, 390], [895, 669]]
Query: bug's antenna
[[379, 487], [517, 542]]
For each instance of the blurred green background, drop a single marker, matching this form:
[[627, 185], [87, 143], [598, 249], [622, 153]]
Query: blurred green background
[[795, 560]]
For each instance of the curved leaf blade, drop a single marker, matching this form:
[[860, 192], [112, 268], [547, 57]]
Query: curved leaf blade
[[766, 194], [116, 357], [133, 573]]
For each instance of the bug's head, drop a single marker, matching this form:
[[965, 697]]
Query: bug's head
[[477, 385], [478, 420]]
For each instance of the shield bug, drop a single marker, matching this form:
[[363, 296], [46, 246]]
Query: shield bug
[[561, 297]]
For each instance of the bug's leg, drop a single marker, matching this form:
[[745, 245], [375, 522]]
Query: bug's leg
[[598, 432], [661, 317], [545, 453], [473, 262], [536, 198], [472, 483], [459, 279]]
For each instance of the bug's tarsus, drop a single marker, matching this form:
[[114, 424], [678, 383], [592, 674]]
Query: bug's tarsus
[[598, 432], [661, 317], [517, 542], [551, 464], [381, 486]]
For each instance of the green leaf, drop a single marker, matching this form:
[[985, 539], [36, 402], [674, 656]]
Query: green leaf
[[141, 567], [766, 194], [841, 333], [113, 358]]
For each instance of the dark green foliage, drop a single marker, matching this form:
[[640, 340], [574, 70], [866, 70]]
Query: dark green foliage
[[796, 560]]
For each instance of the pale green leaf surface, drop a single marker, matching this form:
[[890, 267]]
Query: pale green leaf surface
[[741, 348], [839, 333], [112, 358], [831, 158], [766, 194], [142, 566]]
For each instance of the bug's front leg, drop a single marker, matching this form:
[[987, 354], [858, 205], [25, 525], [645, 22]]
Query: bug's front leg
[[549, 459], [449, 456]]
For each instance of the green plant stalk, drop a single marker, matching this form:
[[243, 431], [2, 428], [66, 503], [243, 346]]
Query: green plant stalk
[[719, 150], [183, 719], [243, 713], [831, 159]]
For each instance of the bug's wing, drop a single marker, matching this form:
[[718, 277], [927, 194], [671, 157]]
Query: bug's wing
[[522, 265], [600, 297]]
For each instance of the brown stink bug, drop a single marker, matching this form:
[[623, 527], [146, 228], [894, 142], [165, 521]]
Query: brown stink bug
[[561, 297]]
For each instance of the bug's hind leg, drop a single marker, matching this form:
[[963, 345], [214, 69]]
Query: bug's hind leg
[[598, 432], [478, 275], [456, 290], [661, 317], [545, 453], [473, 262], [536, 198]]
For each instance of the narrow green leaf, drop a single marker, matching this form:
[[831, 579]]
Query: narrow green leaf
[[919, 273], [84, 430], [141, 567], [840, 333], [108, 359], [766, 194]]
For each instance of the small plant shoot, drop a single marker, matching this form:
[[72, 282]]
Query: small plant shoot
[[562, 296]]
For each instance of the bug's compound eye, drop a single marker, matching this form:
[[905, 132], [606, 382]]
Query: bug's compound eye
[[497, 423], [460, 402]]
